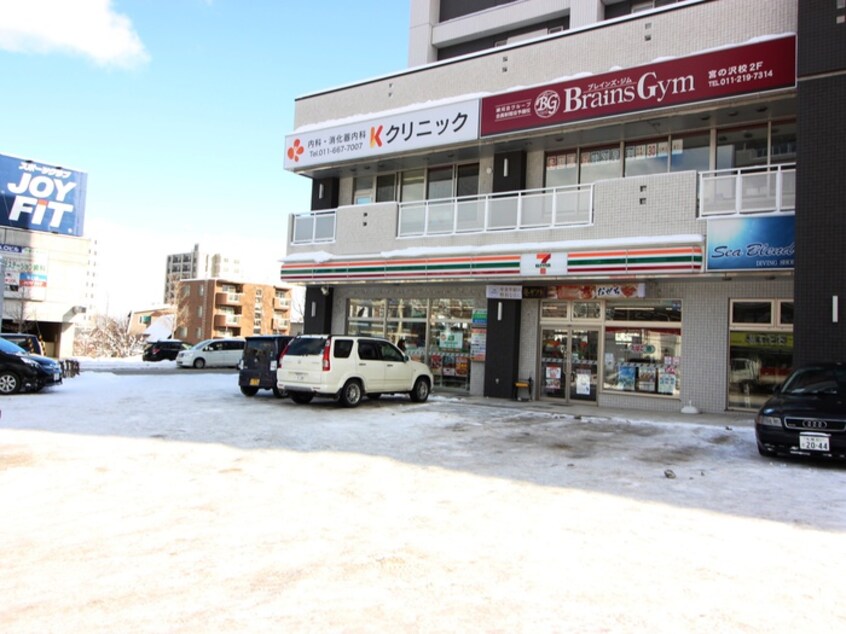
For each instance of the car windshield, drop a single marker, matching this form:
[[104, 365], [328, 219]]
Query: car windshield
[[10, 348], [816, 380]]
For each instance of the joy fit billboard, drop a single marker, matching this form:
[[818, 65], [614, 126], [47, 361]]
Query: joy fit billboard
[[41, 197], [765, 65]]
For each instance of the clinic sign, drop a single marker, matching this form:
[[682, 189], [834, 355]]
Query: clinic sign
[[765, 65], [751, 244], [403, 132], [42, 197]]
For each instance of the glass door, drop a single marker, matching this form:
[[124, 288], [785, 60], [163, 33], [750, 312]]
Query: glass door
[[584, 364], [569, 363]]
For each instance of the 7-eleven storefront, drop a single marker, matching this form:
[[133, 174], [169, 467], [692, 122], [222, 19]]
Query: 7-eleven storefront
[[638, 327]]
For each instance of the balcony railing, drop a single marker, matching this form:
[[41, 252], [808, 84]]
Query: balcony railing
[[748, 190], [529, 209], [314, 227]]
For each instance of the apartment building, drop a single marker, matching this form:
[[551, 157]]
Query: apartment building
[[635, 204], [197, 264], [209, 308]]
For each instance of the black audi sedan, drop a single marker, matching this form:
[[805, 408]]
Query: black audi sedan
[[24, 372], [806, 415]]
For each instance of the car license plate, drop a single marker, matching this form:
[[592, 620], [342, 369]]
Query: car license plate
[[299, 376], [813, 443], [254, 381], [56, 376]]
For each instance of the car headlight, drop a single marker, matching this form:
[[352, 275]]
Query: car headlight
[[768, 421], [30, 362]]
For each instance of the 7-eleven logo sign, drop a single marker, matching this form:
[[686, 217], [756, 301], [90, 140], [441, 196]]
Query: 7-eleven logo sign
[[543, 263]]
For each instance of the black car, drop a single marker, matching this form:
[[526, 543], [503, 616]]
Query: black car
[[258, 364], [806, 414], [164, 349], [24, 372]]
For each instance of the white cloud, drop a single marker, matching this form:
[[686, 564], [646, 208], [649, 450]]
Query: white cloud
[[90, 28]]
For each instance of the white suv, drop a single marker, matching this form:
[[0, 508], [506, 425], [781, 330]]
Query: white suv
[[349, 367]]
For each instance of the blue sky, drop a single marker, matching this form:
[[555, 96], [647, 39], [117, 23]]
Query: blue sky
[[177, 111]]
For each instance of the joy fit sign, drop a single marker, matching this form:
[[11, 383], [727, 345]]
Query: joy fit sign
[[40, 197]]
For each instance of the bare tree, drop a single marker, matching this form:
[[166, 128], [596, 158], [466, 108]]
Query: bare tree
[[108, 337]]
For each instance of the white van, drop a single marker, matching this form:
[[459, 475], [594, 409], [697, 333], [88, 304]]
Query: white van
[[347, 367], [220, 353]]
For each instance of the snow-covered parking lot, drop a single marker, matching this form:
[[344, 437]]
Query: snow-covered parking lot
[[171, 503]]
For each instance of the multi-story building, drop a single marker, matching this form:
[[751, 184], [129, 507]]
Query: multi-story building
[[48, 266], [197, 264], [209, 308], [605, 197]]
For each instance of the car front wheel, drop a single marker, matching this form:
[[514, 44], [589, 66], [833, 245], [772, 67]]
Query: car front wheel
[[351, 394], [9, 383], [420, 391], [199, 363]]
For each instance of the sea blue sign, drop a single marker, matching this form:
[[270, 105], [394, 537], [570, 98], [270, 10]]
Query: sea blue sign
[[41, 197], [751, 244]]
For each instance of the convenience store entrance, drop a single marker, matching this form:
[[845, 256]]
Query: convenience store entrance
[[569, 363]]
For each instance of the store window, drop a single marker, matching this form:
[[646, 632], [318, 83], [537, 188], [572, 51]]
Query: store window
[[450, 325], [437, 332], [760, 350], [406, 325], [643, 360]]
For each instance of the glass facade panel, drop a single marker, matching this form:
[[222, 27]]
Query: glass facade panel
[[562, 169], [648, 310], [752, 312], [440, 183], [601, 164], [362, 190], [783, 143], [690, 153], [554, 310], [643, 360], [386, 188], [758, 362], [468, 180], [742, 147], [413, 185], [647, 157]]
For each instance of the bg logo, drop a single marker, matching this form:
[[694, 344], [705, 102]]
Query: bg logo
[[295, 150], [542, 264], [547, 104]]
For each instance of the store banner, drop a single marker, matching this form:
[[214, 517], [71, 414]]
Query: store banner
[[749, 244], [25, 271], [596, 291], [389, 134], [42, 197], [765, 65]]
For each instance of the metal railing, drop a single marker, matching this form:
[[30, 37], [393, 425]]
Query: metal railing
[[528, 209], [314, 227], [748, 190]]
